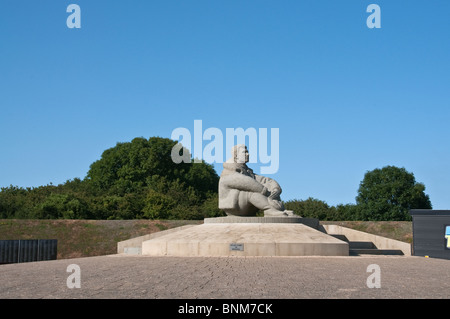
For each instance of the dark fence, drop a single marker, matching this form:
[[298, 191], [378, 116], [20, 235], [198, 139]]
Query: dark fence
[[431, 233], [21, 251]]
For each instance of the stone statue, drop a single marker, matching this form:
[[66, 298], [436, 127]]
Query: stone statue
[[243, 193]]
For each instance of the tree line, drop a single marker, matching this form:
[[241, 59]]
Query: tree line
[[138, 180], [386, 194], [133, 180]]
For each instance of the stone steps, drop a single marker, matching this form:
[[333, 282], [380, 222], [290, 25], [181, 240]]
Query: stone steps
[[357, 248]]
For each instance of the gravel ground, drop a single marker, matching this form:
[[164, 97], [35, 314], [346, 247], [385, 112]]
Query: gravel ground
[[143, 277]]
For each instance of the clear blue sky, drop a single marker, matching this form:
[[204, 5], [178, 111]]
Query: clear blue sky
[[347, 99]]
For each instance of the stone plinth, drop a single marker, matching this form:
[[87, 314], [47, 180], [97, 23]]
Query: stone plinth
[[246, 239]]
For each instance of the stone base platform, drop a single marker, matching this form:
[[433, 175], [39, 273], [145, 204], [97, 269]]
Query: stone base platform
[[311, 222], [246, 239]]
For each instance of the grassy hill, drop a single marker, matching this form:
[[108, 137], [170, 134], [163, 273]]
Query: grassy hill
[[84, 238]]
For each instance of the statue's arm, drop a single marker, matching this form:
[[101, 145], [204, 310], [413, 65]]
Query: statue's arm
[[243, 183], [267, 181], [271, 184]]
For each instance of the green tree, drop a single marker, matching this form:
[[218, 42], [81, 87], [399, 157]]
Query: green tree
[[130, 166], [61, 206], [210, 207], [158, 205], [389, 193], [347, 212], [18, 202], [142, 171]]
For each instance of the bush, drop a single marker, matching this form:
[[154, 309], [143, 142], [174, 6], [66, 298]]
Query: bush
[[58, 206], [311, 208]]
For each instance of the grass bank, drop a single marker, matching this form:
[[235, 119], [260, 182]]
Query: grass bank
[[85, 238]]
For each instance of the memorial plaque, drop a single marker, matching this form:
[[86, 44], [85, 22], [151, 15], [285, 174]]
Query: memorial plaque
[[237, 247]]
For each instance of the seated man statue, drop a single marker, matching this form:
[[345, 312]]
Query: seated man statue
[[243, 193]]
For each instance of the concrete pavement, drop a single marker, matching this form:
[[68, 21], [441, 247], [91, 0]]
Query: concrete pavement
[[129, 277]]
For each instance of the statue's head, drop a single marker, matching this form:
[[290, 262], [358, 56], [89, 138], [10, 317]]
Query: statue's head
[[239, 153]]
